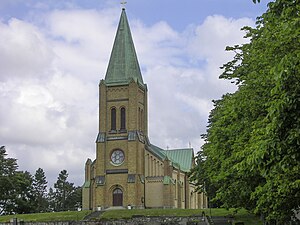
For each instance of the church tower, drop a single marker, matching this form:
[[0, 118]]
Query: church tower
[[128, 169], [118, 170]]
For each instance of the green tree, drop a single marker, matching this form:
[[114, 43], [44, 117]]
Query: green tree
[[8, 169], [280, 137], [251, 152], [23, 196], [51, 200], [40, 191], [74, 200], [66, 194], [15, 187]]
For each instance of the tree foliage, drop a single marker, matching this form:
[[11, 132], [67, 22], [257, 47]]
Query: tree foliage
[[15, 187], [20, 192], [23, 193], [66, 194], [8, 170], [40, 191], [251, 149]]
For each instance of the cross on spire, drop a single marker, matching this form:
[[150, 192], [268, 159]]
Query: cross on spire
[[123, 3]]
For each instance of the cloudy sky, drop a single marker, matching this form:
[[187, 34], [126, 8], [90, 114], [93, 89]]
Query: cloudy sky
[[53, 54]]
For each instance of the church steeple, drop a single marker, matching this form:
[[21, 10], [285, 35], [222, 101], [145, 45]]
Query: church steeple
[[127, 167], [123, 64]]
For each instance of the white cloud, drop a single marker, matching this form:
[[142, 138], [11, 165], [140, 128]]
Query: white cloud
[[211, 38], [23, 51], [156, 45], [181, 89], [202, 106], [49, 78], [82, 40]]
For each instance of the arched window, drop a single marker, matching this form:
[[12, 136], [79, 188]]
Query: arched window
[[123, 118], [113, 119], [117, 197]]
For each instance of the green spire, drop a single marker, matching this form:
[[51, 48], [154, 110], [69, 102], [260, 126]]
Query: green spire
[[123, 64]]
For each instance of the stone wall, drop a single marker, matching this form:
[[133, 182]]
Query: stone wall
[[136, 220]]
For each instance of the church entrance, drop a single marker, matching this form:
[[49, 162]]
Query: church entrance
[[117, 197]]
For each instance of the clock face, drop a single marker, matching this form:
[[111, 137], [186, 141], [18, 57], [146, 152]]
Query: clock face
[[117, 157]]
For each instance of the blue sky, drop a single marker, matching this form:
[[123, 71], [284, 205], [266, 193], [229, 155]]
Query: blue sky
[[54, 53], [177, 14]]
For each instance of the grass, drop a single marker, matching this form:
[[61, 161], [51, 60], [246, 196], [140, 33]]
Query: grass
[[241, 215], [47, 217]]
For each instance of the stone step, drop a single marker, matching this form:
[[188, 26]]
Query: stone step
[[93, 215]]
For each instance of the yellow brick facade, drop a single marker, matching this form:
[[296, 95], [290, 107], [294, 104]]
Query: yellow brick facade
[[146, 180]]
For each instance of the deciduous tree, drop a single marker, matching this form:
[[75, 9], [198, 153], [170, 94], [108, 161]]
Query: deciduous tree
[[251, 153]]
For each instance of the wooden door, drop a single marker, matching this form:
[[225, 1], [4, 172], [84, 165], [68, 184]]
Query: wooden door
[[117, 197]]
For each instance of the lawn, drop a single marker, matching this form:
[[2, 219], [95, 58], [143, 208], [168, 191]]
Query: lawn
[[242, 215], [46, 217]]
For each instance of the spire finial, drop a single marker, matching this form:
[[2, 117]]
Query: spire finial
[[123, 3]]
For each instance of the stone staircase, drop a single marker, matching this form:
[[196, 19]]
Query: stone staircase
[[94, 215]]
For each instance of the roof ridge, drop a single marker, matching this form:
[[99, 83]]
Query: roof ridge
[[179, 149]]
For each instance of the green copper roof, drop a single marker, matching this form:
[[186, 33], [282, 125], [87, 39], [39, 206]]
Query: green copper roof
[[123, 64], [180, 158], [157, 151], [183, 157]]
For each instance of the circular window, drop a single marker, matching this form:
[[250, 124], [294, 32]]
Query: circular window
[[117, 157]]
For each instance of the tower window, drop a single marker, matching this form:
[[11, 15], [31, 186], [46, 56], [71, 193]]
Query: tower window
[[123, 118], [113, 118], [117, 157]]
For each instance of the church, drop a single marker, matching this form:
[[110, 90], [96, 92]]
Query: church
[[129, 171]]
